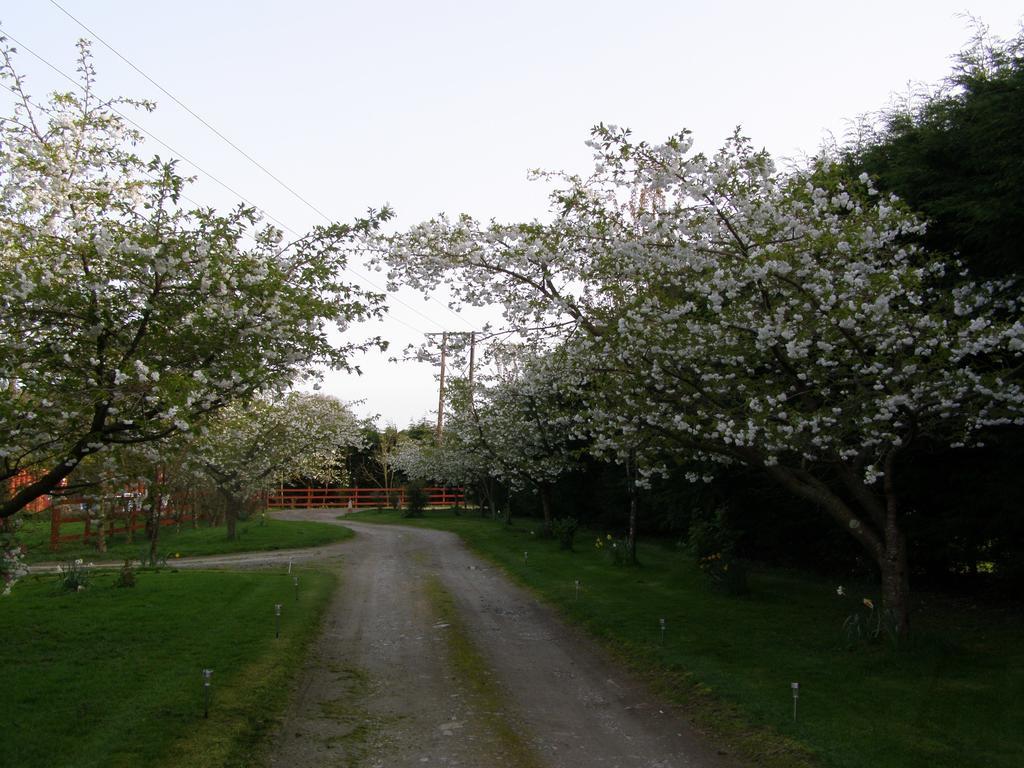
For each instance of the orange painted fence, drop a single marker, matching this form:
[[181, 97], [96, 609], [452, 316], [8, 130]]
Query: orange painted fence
[[310, 498], [128, 519]]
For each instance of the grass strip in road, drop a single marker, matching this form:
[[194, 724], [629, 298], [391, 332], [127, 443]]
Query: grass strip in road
[[253, 536], [950, 699], [473, 671], [111, 677]]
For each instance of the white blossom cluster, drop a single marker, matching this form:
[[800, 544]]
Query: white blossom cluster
[[12, 568]]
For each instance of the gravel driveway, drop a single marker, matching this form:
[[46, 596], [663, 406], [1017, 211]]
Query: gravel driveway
[[430, 656]]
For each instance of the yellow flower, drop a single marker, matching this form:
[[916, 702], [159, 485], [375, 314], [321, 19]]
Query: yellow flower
[[177, 554], [868, 603]]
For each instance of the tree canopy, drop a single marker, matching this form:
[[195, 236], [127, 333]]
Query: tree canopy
[[720, 307], [956, 155], [127, 316]]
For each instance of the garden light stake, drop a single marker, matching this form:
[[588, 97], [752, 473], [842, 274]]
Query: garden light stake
[[207, 674]]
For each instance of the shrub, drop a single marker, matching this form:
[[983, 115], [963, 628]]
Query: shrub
[[713, 542], [866, 624], [72, 575], [564, 529], [126, 576], [616, 550], [415, 499]]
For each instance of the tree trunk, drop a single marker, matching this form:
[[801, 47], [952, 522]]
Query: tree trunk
[[231, 516], [130, 520], [492, 499], [54, 477], [631, 536], [545, 503], [153, 518], [893, 564], [101, 535], [896, 589], [634, 504], [872, 522]]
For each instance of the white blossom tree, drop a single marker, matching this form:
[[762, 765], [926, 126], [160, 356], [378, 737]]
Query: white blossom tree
[[520, 418], [248, 448], [126, 317], [512, 428], [744, 314]]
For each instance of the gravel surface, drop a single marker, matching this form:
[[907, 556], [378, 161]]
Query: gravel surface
[[396, 681]]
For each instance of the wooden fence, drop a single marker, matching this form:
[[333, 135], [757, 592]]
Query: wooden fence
[[127, 518], [359, 498], [123, 513]]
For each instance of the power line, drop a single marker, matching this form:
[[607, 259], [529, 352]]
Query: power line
[[10, 90], [178, 101], [234, 192], [232, 144], [396, 319], [155, 138]]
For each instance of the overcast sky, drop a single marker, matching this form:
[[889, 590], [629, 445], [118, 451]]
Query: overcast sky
[[444, 106]]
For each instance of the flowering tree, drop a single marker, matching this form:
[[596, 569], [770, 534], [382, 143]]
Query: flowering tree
[[460, 459], [125, 317], [512, 427], [747, 315], [250, 447], [521, 421]]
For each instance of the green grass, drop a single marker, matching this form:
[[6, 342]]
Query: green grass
[[112, 677], [252, 536], [950, 699]]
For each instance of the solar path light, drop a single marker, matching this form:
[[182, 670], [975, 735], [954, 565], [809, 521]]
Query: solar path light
[[207, 676]]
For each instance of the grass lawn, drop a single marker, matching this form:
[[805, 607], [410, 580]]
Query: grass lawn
[[951, 698], [112, 677], [252, 536]]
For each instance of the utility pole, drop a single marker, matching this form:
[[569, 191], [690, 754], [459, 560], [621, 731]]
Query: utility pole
[[444, 365], [440, 395]]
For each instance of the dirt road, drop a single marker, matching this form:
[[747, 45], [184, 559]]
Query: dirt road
[[430, 656]]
